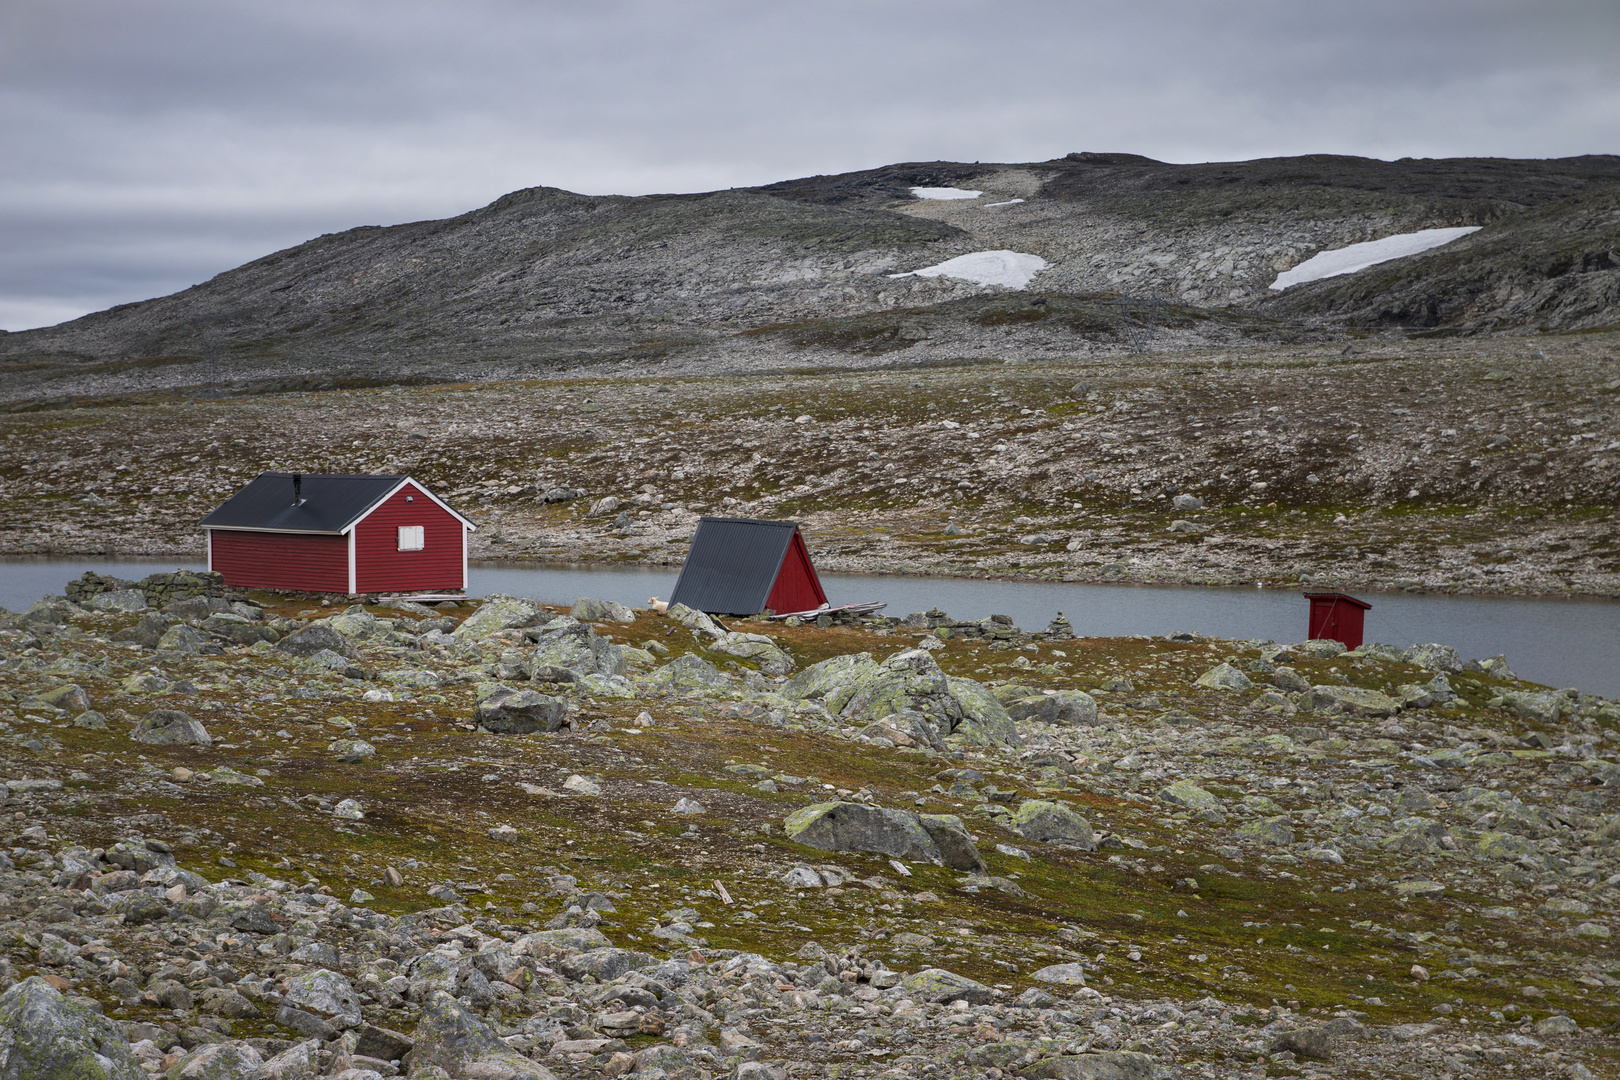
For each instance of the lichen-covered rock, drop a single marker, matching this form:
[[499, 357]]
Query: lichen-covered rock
[[1062, 974], [351, 751], [45, 1036], [217, 1061], [72, 696], [770, 657], [1502, 845], [170, 727], [451, 1038], [687, 672], [569, 644], [1067, 708], [853, 826], [315, 638], [497, 613], [1277, 831], [325, 993], [1224, 677], [817, 681], [586, 609], [937, 986], [234, 628], [1353, 701], [855, 688], [1053, 823], [604, 964], [148, 631], [1187, 794], [955, 845], [1544, 706], [1435, 657], [1109, 1065], [694, 620], [181, 638], [508, 711], [301, 1061]]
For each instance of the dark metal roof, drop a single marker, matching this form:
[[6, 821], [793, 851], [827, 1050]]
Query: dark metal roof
[[733, 564], [329, 504]]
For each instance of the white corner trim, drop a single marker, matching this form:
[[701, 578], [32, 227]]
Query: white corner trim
[[209, 533], [465, 529], [351, 563]]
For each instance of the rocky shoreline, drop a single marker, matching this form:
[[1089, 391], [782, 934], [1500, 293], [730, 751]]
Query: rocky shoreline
[[250, 838]]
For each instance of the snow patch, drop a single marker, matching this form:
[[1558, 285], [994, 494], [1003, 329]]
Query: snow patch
[[1009, 269], [944, 193], [1347, 260], [1009, 202]]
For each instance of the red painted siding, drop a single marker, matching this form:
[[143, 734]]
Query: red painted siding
[[379, 564], [797, 588], [266, 560]]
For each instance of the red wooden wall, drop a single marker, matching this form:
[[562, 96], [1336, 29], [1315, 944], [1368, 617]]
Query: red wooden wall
[[266, 560], [797, 588], [379, 564]]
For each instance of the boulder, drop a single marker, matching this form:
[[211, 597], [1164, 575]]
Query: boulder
[[326, 994], [507, 711], [687, 672], [853, 826], [586, 609], [181, 638], [497, 613], [148, 631], [1062, 974], [1312, 1043], [170, 727], [217, 1061], [1543, 706], [45, 1034], [351, 751], [568, 644], [905, 729], [231, 627], [1277, 831], [604, 964], [695, 620], [1111, 1065], [771, 658], [300, 1061], [1068, 708], [118, 600], [315, 638], [950, 836], [1434, 657], [1053, 823], [72, 696], [1187, 794], [1224, 677], [1353, 701], [452, 1038], [856, 688], [937, 986]]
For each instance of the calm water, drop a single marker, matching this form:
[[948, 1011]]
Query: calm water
[[1557, 642]]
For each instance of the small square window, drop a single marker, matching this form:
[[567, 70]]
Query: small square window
[[411, 538]]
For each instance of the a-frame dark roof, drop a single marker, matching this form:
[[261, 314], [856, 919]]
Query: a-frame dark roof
[[733, 564], [327, 504]]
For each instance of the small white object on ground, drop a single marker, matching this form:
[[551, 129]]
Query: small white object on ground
[[1009, 202], [1347, 260], [1010, 269], [944, 193]]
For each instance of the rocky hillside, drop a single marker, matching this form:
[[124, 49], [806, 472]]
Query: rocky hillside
[[250, 839], [544, 279]]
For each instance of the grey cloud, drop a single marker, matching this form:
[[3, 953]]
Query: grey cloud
[[150, 146]]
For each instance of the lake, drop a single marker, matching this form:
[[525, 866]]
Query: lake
[[1553, 641]]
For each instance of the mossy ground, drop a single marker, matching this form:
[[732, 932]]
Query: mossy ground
[[1198, 920]]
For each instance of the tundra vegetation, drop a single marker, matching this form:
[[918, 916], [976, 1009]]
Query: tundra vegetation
[[259, 835]]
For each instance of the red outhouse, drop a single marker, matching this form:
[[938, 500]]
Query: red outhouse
[[1336, 617], [741, 566], [338, 534]]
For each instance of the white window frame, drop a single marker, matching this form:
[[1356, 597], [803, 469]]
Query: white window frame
[[412, 538]]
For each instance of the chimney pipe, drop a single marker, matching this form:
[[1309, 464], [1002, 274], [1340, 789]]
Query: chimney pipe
[[298, 483]]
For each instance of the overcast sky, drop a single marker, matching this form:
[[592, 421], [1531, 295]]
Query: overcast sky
[[146, 146]]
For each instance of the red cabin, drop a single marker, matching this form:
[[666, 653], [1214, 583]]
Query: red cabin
[[338, 534], [740, 566], [1336, 617]]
